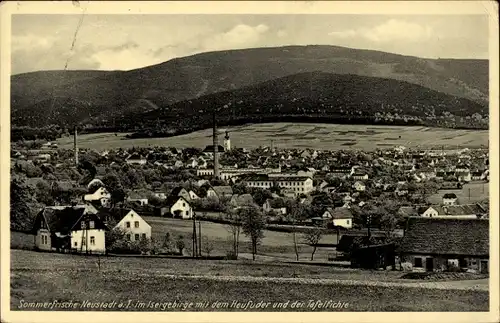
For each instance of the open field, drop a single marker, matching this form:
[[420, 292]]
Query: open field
[[300, 135], [278, 245], [44, 277], [470, 193]]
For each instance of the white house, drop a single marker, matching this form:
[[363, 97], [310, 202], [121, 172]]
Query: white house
[[450, 199], [137, 198], [136, 159], [66, 228], [101, 194], [134, 226], [297, 184], [179, 207], [341, 217], [268, 207], [359, 186], [193, 195], [465, 211]]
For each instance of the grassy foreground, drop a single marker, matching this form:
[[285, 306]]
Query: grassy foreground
[[127, 288], [47, 277]]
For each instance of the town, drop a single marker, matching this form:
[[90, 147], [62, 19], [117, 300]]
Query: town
[[422, 210]]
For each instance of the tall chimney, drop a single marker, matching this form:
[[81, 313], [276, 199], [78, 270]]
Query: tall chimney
[[216, 149], [75, 147]]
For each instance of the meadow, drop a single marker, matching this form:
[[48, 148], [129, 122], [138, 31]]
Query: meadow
[[473, 192], [44, 277], [300, 136], [274, 245]]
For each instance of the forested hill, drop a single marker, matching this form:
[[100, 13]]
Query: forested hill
[[316, 96], [96, 97]]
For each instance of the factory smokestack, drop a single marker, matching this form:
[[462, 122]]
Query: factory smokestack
[[216, 149], [75, 146]]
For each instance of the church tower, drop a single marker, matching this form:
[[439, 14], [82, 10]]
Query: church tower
[[227, 142]]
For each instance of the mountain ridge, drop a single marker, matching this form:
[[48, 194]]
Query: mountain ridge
[[105, 94]]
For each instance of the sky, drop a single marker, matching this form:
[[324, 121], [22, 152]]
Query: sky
[[125, 42]]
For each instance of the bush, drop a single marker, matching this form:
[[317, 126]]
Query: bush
[[230, 255], [406, 266]]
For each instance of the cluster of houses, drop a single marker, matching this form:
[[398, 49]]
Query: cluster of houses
[[296, 173]]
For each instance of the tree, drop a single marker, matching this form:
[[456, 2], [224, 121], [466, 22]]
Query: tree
[[20, 214], [208, 247], [313, 237], [253, 225], [43, 193], [112, 237], [180, 244], [298, 214], [234, 227], [114, 187]]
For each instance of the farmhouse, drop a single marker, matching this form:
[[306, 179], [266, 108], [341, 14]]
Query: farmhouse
[[66, 228], [181, 191], [340, 216], [135, 197], [128, 221], [220, 192], [450, 199], [470, 211], [274, 205], [179, 207], [101, 194], [431, 244]]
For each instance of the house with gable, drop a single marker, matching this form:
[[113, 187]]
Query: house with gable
[[340, 217], [464, 211], [70, 229], [179, 207], [440, 244], [101, 194], [181, 191], [450, 199], [128, 221]]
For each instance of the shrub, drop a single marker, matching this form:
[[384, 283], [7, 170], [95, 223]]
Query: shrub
[[230, 255], [406, 266]]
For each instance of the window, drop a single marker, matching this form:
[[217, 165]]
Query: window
[[128, 237], [82, 224], [418, 262], [348, 221], [183, 204], [187, 213], [144, 236], [75, 244], [91, 224], [136, 224], [92, 241], [128, 224], [136, 236]]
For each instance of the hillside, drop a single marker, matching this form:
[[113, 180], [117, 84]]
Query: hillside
[[316, 96], [104, 95]]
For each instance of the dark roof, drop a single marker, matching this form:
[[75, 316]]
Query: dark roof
[[463, 209], [468, 237], [63, 218], [113, 214], [223, 190], [450, 196], [340, 213], [177, 190], [172, 199]]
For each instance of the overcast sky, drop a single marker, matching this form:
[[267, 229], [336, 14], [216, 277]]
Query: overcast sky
[[124, 42]]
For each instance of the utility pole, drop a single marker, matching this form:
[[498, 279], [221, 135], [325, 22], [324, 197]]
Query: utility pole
[[199, 241], [195, 244]]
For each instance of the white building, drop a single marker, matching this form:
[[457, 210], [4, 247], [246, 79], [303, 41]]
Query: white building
[[297, 184], [101, 194], [341, 217], [179, 207], [227, 142], [134, 226], [68, 228]]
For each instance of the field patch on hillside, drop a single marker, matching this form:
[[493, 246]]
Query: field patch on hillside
[[293, 135]]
